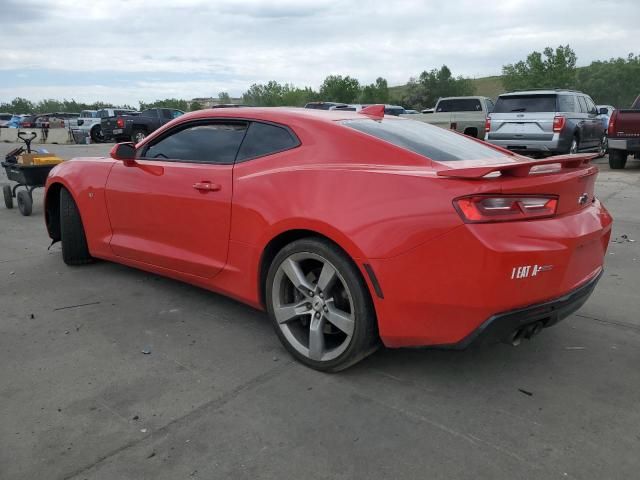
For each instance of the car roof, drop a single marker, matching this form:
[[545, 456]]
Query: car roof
[[274, 114], [542, 91]]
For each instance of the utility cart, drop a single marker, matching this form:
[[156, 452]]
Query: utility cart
[[29, 170]]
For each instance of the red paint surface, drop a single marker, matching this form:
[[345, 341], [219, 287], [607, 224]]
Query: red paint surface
[[385, 206]]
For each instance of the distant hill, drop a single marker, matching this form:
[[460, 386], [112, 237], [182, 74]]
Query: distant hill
[[485, 86]]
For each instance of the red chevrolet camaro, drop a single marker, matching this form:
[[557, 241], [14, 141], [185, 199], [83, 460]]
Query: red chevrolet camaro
[[349, 229]]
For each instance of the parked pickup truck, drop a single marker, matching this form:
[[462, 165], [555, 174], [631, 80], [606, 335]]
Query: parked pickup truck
[[462, 114], [624, 135], [136, 126]]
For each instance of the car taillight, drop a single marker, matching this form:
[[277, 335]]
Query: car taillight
[[487, 124], [120, 122], [611, 128], [505, 208], [558, 123]]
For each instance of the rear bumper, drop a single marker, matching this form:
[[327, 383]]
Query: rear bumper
[[503, 326], [446, 290], [628, 144], [556, 145]]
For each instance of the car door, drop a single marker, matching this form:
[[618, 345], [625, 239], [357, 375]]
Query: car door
[[594, 121], [584, 125], [171, 207]]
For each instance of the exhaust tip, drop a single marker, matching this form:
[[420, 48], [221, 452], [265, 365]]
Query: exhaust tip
[[516, 337], [533, 330]]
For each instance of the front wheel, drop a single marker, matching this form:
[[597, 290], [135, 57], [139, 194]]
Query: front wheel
[[8, 196], [602, 147], [320, 306], [617, 159], [74, 241], [25, 203]]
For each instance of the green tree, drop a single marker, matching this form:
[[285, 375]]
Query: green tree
[[224, 97], [337, 88], [273, 94], [18, 105], [424, 91], [549, 69], [176, 103], [377, 92], [193, 106], [612, 82]]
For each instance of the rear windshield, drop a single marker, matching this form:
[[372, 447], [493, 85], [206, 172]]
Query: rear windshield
[[459, 105], [427, 140], [526, 103]]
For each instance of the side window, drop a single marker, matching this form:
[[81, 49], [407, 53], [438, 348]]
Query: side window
[[167, 114], [265, 139], [567, 103], [591, 107], [583, 105], [205, 143], [489, 106]]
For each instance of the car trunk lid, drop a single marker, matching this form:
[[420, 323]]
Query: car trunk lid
[[570, 177]]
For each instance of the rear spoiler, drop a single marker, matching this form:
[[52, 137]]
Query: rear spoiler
[[518, 169]]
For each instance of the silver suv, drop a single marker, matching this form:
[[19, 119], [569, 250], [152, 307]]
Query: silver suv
[[545, 122]]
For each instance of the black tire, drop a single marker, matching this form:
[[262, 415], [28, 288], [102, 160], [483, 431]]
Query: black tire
[[138, 134], [8, 196], [74, 241], [617, 159], [96, 134], [364, 339], [25, 203]]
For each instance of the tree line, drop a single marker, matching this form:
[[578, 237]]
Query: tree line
[[615, 81]]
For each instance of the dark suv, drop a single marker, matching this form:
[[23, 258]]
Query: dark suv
[[546, 122]]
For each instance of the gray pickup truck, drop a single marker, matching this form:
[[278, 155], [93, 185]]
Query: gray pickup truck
[[463, 114]]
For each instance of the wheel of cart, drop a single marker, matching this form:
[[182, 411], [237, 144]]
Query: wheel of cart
[[30, 176]]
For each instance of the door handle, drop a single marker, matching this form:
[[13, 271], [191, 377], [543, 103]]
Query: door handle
[[207, 186]]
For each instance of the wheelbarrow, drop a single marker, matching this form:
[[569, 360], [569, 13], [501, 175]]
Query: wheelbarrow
[[29, 170]]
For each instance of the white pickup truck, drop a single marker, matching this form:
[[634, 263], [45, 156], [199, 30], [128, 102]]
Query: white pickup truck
[[463, 114], [89, 123]]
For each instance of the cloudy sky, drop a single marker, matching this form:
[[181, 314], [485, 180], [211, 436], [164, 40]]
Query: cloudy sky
[[124, 51]]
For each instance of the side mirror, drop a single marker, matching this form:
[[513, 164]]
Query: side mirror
[[125, 152], [603, 111]]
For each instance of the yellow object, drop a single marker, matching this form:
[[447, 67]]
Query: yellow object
[[39, 159]]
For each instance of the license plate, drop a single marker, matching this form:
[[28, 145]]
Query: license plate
[[519, 128], [116, 131]]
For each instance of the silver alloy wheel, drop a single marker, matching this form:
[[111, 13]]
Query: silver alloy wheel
[[139, 136], [574, 146], [313, 306], [602, 148]]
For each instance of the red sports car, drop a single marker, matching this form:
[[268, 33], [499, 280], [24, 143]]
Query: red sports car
[[349, 229]]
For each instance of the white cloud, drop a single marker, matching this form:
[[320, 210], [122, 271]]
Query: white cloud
[[234, 44]]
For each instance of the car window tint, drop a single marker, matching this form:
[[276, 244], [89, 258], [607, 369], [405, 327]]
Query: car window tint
[[209, 143], [427, 140], [590, 105], [583, 105], [265, 139], [526, 103], [567, 103], [459, 105], [489, 106]]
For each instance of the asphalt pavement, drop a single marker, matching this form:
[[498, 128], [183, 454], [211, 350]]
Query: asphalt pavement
[[112, 373]]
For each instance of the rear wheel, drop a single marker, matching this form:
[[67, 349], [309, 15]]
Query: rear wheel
[[96, 134], [575, 145], [74, 241], [138, 135], [8, 196], [320, 306], [25, 203], [617, 159]]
